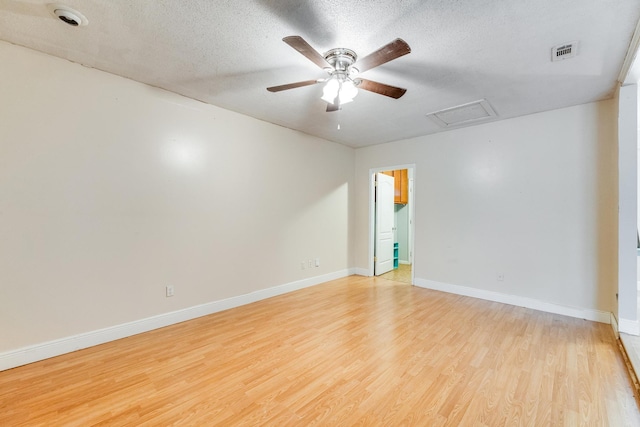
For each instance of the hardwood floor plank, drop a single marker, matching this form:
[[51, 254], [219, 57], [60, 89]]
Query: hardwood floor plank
[[353, 351]]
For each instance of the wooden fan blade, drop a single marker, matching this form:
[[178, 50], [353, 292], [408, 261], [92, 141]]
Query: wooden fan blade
[[292, 85], [386, 53], [299, 44], [381, 88]]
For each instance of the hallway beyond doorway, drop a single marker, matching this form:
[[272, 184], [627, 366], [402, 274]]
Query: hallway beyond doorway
[[400, 274]]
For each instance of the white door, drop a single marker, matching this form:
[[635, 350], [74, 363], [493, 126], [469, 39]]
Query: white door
[[384, 224]]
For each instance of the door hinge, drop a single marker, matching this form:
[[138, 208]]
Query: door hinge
[[375, 259]]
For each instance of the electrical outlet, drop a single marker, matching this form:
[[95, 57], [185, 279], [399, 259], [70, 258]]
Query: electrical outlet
[[317, 262], [500, 277], [169, 290], [310, 263]]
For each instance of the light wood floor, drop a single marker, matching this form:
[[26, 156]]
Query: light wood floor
[[355, 351]]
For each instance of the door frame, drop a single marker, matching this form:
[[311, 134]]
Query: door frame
[[372, 213]]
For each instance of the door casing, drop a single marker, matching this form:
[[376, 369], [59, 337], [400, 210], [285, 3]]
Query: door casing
[[372, 208]]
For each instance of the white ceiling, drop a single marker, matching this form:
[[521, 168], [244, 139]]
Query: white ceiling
[[227, 52]]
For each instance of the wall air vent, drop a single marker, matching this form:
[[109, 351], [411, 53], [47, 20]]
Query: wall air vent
[[564, 51], [463, 114]]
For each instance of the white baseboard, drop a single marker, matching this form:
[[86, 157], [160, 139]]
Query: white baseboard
[[34, 353], [361, 271], [580, 313], [631, 327], [614, 326]]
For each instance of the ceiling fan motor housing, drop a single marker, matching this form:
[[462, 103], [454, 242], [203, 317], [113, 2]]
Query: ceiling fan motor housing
[[341, 59]]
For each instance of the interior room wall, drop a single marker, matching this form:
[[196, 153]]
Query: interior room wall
[[627, 213], [111, 190], [531, 199], [402, 230]]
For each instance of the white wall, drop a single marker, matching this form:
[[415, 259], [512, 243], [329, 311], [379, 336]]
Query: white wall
[[533, 198], [110, 190], [627, 216]]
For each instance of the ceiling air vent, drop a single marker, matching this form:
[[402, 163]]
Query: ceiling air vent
[[564, 51], [463, 114]]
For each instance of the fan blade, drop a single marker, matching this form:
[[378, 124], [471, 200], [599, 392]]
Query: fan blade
[[292, 85], [299, 44], [386, 53], [381, 88]]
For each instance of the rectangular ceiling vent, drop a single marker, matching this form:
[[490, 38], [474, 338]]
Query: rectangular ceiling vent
[[564, 51], [463, 114]]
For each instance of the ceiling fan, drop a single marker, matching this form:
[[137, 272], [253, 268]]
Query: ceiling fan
[[344, 68]]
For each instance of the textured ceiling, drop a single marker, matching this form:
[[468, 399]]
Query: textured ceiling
[[227, 53]]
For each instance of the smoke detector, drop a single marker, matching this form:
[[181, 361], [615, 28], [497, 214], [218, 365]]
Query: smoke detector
[[67, 15]]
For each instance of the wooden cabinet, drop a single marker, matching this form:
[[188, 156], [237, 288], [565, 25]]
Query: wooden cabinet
[[401, 182], [402, 186]]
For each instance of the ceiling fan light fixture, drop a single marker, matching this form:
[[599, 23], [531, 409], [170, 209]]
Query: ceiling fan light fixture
[[344, 90], [348, 91], [330, 90]]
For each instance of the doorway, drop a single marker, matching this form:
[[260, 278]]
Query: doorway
[[402, 225]]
